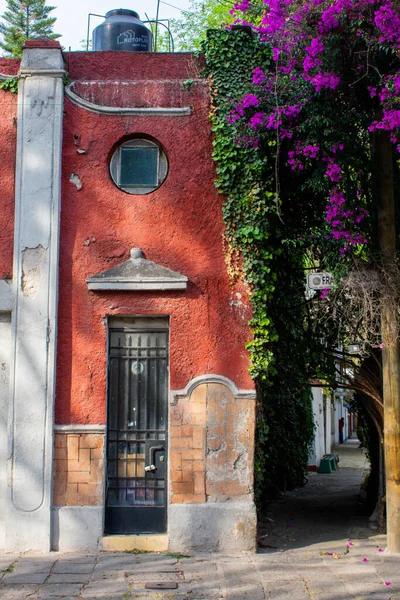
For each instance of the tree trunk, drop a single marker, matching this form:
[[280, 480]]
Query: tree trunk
[[391, 349], [382, 483]]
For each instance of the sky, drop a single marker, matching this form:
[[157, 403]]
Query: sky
[[72, 15]]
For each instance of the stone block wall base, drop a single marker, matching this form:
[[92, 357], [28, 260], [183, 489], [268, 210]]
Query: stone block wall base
[[127, 543], [27, 532], [77, 528], [212, 527]]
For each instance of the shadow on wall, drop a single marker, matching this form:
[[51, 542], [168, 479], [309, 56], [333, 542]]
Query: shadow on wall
[[76, 528]]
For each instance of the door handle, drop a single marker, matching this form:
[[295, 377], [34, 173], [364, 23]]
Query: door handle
[[152, 467]]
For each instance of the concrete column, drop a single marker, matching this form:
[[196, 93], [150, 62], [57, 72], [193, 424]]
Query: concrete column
[[5, 342], [318, 445], [37, 214], [328, 426]]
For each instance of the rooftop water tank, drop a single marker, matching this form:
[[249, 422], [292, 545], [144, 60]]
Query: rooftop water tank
[[122, 30]]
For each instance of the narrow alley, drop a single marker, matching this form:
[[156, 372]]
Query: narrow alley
[[324, 510]]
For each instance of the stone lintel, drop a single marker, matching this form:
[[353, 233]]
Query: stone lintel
[[79, 428], [138, 274], [159, 285]]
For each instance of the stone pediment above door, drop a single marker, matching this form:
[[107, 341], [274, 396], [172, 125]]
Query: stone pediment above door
[[137, 274]]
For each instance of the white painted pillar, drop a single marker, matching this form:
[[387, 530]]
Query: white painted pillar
[[318, 445], [35, 281], [328, 426], [5, 342]]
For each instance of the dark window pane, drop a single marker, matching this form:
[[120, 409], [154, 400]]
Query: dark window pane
[[139, 167]]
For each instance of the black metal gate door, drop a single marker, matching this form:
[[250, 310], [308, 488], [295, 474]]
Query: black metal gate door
[[137, 431]]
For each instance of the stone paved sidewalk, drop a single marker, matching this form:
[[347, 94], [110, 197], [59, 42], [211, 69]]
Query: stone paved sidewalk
[[327, 572], [306, 554]]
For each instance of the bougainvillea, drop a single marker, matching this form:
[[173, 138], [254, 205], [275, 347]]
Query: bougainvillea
[[297, 110], [337, 50]]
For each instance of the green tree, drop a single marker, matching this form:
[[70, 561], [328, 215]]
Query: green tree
[[23, 20], [191, 29]]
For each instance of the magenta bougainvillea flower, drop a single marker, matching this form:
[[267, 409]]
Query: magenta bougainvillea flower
[[300, 35], [324, 293]]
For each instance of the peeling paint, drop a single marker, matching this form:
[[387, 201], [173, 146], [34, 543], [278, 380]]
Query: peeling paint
[[239, 306], [75, 180], [89, 241], [33, 260]]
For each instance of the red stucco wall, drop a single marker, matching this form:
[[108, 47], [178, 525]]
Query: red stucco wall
[[179, 225], [8, 136]]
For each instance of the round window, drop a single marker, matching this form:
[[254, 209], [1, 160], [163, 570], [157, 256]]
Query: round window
[[138, 166]]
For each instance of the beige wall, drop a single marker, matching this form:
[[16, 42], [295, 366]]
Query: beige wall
[[211, 446], [78, 469]]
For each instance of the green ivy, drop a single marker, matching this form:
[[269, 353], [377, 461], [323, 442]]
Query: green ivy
[[272, 263], [10, 84]]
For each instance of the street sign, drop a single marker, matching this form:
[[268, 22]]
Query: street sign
[[319, 281], [354, 348]]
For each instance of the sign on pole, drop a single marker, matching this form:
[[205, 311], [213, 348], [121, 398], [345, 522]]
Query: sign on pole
[[319, 281]]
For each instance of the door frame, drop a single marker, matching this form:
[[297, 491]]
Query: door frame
[[138, 322]]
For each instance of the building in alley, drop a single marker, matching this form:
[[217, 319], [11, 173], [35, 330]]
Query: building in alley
[[334, 422], [126, 409]]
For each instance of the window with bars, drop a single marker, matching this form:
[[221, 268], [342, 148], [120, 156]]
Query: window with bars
[[138, 166]]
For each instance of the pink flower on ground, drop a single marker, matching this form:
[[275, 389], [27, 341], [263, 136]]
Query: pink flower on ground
[[380, 550], [351, 544], [387, 583], [365, 559], [381, 346]]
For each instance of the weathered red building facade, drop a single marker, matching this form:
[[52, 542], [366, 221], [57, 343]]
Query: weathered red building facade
[[126, 405]]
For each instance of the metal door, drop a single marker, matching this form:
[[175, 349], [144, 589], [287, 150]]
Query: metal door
[[136, 499]]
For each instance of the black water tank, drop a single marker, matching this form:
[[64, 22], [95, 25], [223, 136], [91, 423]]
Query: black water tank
[[122, 30]]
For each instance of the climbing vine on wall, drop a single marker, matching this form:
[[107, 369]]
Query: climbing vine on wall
[[10, 84], [261, 243]]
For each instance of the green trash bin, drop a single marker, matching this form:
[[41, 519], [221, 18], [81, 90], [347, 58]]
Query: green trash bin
[[326, 465], [335, 460]]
